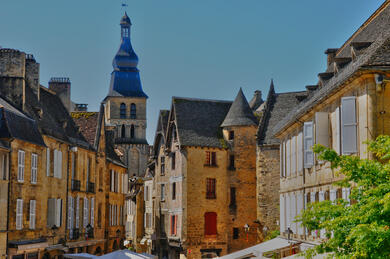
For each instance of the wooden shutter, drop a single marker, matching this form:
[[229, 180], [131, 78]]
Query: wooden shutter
[[322, 128], [333, 194], [77, 212], [293, 155], [59, 174], [288, 210], [34, 168], [32, 213], [19, 214], [288, 157], [308, 144], [55, 163], [337, 146], [293, 212], [284, 159], [70, 212], [300, 198], [210, 223], [58, 213], [51, 212], [300, 151], [348, 125], [281, 159], [282, 214], [47, 161], [85, 213], [92, 211], [322, 198], [21, 155]]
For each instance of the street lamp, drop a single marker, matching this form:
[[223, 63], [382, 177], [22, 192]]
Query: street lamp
[[289, 232]]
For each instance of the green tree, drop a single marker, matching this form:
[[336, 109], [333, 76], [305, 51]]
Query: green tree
[[359, 230]]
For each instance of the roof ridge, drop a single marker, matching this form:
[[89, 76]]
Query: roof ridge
[[200, 99]]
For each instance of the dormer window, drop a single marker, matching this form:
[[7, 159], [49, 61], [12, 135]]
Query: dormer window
[[123, 111], [231, 135], [133, 111]]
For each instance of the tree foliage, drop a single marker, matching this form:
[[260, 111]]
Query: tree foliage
[[359, 230]]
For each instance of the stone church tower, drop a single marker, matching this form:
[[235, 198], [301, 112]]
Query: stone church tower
[[125, 113]]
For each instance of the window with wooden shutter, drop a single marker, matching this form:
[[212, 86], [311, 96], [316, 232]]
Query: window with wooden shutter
[[59, 174], [32, 213], [288, 210], [348, 125], [322, 128], [293, 213], [77, 212], [210, 219], [162, 197], [21, 155], [300, 152], [55, 162], [288, 157], [282, 213], [308, 157], [208, 158], [300, 203], [19, 214], [173, 225], [34, 168], [293, 155], [92, 212]]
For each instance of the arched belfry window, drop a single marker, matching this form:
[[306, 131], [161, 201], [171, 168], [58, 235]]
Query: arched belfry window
[[132, 132], [123, 131], [123, 111], [133, 111]]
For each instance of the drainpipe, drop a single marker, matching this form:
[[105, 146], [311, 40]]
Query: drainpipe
[[9, 195], [66, 198]]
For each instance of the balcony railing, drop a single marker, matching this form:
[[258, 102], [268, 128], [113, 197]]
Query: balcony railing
[[75, 185], [91, 187]]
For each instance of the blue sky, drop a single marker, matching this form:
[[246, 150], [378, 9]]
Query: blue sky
[[202, 48]]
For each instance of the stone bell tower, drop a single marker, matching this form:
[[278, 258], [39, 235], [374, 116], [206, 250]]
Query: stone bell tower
[[125, 112]]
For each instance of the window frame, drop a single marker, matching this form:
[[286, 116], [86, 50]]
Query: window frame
[[21, 165], [211, 193]]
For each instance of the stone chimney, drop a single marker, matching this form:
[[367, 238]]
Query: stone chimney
[[256, 100], [331, 54], [32, 74], [61, 86]]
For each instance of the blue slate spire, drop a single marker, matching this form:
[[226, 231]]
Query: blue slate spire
[[125, 79]]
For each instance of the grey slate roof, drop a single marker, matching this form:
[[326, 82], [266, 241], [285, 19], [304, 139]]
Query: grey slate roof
[[277, 106], [198, 121], [162, 124], [377, 54], [240, 114], [14, 125]]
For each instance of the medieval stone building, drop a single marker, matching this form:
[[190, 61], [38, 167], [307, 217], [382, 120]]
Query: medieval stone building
[[204, 162]]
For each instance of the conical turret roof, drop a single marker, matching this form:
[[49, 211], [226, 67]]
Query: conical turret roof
[[240, 114]]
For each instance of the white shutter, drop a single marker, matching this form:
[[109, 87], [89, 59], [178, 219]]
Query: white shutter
[[293, 212], [59, 174], [112, 181], [293, 155], [300, 151], [288, 211], [21, 155], [348, 125], [47, 161], [332, 195], [288, 157], [55, 163], [346, 193], [321, 197], [77, 212], [281, 159], [70, 212], [282, 214], [322, 128], [308, 144], [34, 168], [312, 200], [19, 214], [126, 183], [32, 213], [284, 159], [300, 201], [92, 211], [51, 212], [110, 215], [85, 213], [58, 212], [117, 182], [338, 135]]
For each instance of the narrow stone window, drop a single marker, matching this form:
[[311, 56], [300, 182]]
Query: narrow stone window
[[123, 111], [173, 191], [132, 131], [133, 111], [123, 131], [235, 233], [231, 163], [210, 188], [231, 135]]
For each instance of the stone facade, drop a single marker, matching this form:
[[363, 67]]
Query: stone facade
[[4, 181]]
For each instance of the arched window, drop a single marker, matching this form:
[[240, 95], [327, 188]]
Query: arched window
[[123, 111], [210, 223], [132, 132], [133, 111], [123, 131]]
